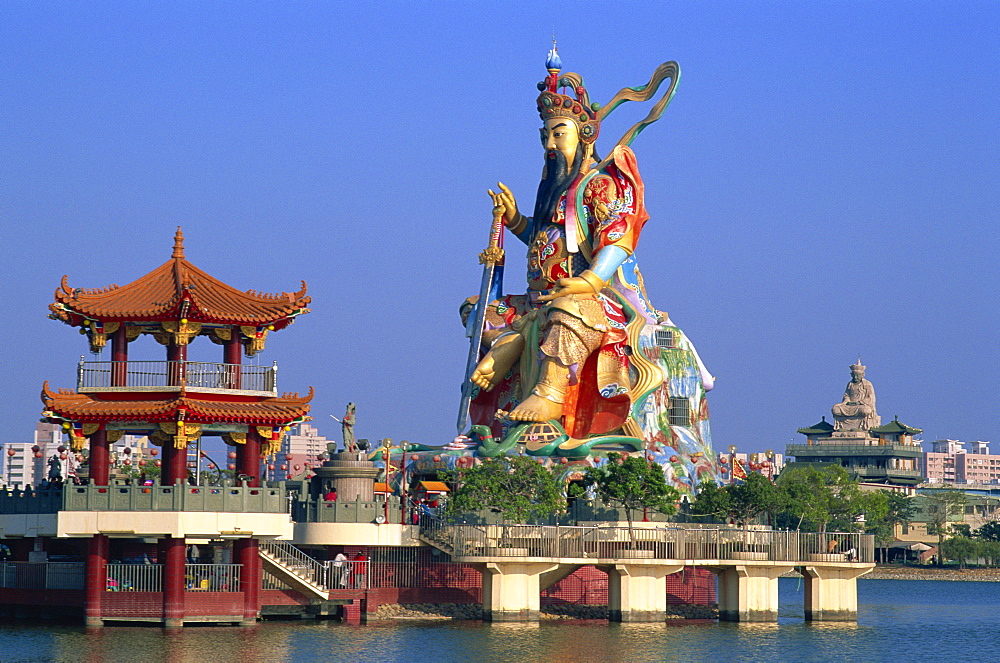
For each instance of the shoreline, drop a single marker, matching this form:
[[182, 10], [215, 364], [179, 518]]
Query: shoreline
[[948, 573]]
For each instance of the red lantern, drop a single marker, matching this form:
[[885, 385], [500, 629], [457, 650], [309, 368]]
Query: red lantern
[[288, 476], [297, 468], [62, 456], [157, 462], [270, 466], [674, 459], [60, 448], [127, 461], [127, 451], [232, 454], [11, 452], [38, 454], [564, 460], [80, 458], [142, 462], [35, 448], [723, 460], [211, 466], [154, 452], [321, 457], [232, 466], [283, 467], [437, 459], [288, 456]]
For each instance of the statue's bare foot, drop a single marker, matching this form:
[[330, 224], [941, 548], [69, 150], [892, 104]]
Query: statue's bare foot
[[505, 351], [537, 408]]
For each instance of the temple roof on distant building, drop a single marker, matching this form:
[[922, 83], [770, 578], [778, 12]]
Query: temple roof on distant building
[[822, 428], [895, 426], [177, 289], [70, 405]]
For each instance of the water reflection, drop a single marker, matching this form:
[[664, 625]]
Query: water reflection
[[897, 620]]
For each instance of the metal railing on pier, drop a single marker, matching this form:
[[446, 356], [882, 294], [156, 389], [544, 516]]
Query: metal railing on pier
[[609, 542], [41, 575]]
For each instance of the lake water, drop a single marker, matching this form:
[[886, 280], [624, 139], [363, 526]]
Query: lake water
[[898, 620]]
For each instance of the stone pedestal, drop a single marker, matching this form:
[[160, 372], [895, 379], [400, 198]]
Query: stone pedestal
[[831, 593], [638, 592], [749, 593], [352, 475]]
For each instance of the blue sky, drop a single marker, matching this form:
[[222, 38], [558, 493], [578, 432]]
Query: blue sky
[[824, 184]]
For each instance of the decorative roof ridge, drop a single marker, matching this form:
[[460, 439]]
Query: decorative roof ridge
[[178, 252]]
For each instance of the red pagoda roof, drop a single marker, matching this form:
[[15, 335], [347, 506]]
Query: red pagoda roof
[[68, 404], [174, 290]]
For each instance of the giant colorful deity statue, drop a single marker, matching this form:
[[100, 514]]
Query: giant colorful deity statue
[[582, 363]]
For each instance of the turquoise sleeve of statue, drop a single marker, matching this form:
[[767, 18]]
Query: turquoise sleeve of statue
[[608, 261]]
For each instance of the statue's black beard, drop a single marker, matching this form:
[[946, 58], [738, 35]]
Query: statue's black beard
[[556, 181]]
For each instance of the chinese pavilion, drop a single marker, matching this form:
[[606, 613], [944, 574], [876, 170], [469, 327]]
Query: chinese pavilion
[[176, 401]]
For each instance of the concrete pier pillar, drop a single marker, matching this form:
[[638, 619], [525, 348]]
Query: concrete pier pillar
[[831, 593], [638, 592], [749, 593], [511, 590], [95, 580]]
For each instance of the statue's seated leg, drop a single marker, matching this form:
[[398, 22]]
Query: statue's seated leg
[[506, 350], [567, 342]]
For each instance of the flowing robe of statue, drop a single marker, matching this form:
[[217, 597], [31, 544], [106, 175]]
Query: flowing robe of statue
[[616, 369]]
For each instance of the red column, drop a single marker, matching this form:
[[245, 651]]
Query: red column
[[96, 579], [119, 358], [176, 357], [174, 465], [173, 581], [233, 355], [250, 577], [248, 457], [99, 458]]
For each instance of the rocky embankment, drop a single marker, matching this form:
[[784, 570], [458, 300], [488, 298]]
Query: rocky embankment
[[548, 612], [932, 573]]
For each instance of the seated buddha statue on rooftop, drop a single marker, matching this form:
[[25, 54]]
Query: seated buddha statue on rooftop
[[856, 412]]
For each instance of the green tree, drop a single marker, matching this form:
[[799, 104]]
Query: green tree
[[899, 510], [944, 506], [742, 502], [962, 549], [519, 488], [827, 496], [632, 483], [989, 532]]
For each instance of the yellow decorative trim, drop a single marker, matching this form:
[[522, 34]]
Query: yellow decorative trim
[[491, 255], [182, 433], [115, 435], [233, 439], [223, 333], [90, 429], [162, 337], [182, 333], [595, 281], [132, 332], [111, 327], [253, 340]]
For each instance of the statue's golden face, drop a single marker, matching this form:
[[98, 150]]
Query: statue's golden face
[[560, 134]]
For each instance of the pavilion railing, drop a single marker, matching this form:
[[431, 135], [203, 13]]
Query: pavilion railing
[[196, 374], [609, 542]]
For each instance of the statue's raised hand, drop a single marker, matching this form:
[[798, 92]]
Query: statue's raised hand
[[505, 198]]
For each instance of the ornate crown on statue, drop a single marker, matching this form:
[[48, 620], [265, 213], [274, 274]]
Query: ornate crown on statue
[[553, 104]]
